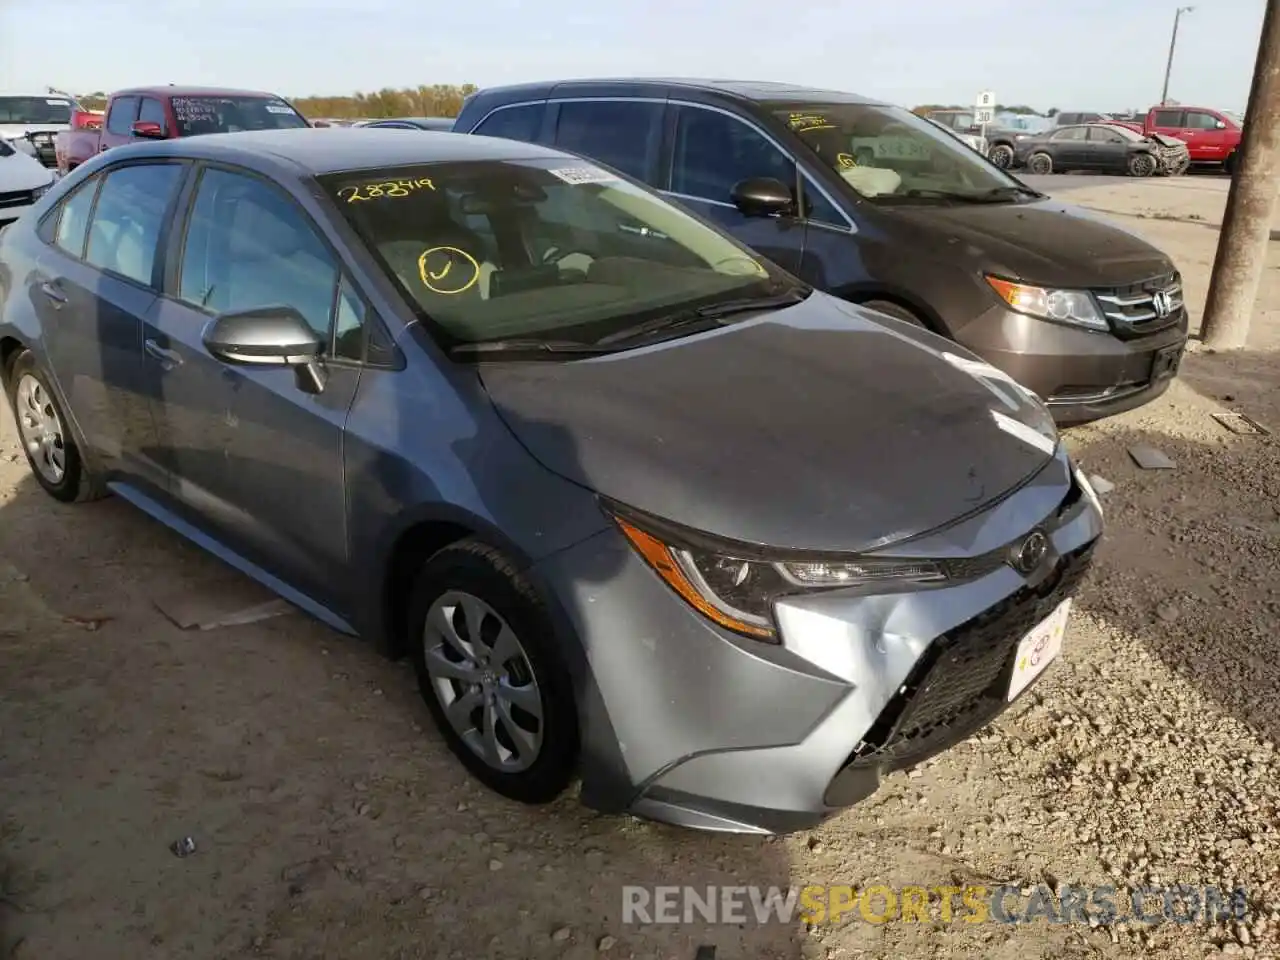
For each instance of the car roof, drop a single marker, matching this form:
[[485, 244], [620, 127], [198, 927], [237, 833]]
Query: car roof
[[307, 151], [170, 90], [756, 90]]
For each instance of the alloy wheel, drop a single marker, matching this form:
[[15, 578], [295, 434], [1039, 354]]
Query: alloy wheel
[[41, 429], [480, 674]]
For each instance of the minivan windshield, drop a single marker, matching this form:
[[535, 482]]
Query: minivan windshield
[[559, 252], [211, 114], [888, 154], [33, 111]]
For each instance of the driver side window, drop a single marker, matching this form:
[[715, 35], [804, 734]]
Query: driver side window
[[714, 151]]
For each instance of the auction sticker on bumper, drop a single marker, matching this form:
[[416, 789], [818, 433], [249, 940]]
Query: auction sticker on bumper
[[1039, 648]]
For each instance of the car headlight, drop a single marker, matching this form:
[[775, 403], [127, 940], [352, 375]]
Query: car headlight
[[39, 192], [738, 592], [1062, 306]]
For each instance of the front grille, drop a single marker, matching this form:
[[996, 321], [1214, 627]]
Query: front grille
[[1132, 311], [961, 683], [16, 198]]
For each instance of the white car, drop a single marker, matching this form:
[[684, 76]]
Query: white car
[[23, 181], [28, 121]]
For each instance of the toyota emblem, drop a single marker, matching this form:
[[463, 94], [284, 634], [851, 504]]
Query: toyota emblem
[[1030, 553], [1162, 303]]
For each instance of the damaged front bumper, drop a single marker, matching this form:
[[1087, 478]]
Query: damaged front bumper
[[686, 723]]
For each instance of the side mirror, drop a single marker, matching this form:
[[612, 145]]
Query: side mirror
[[763, 197], [1220, 124], [268, 336], [148, 130]]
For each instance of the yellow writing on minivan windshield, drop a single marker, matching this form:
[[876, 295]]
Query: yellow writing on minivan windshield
[[384, 188], [801, 122]]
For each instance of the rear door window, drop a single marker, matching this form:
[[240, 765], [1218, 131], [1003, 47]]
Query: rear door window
[[124, 110], [128, 218], [1168, 118], [514, 123], [620, 133]]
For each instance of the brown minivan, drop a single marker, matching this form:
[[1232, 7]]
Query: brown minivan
[[871, 203]]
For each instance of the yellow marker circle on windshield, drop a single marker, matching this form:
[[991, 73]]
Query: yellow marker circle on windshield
[[448, 270], [845, 160]]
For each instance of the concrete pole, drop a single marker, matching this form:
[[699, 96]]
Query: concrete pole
[[1246, 228]]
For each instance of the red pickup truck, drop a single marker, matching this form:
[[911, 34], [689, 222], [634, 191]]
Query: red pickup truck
[[1211, 136], [161, 113]]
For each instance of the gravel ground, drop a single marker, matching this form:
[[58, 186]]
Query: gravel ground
[[330, 820]]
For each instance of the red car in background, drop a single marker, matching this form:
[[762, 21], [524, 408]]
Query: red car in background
[[161, 113], [1212, 136]]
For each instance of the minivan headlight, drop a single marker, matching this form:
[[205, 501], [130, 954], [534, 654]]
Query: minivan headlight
[[738, 593], [1063, 306], [39, 192]]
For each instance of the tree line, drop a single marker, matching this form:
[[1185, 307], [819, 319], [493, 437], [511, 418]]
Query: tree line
[[434, 100]]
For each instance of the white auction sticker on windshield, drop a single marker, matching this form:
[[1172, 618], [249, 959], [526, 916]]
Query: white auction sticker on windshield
[[583, 174], [278, 108]]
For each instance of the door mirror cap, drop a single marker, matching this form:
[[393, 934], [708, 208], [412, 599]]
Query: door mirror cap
[[763, 197], [148, 130], [1220, 124], [264, 336]]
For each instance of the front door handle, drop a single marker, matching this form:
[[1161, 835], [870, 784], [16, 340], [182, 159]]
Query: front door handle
[[50, 290], [168, 358]]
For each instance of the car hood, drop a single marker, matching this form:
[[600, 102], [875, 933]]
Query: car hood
[[20, 171], [1044, 242], [816, 427]]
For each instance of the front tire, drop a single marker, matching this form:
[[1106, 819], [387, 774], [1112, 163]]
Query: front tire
[[45, 435], [491, 674], [1142, 165], [1001, 155], [1040, 163]]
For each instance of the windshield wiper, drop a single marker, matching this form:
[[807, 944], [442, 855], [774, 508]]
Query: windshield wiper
[[994, 195], [711, 312], [528, 345]]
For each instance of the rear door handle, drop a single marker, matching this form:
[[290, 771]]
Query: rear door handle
[[50, 290], [168, 358]]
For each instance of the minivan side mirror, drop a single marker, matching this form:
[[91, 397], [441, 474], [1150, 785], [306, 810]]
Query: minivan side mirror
[[148, 130], [268, 336], [1220, 124], [763, 197]]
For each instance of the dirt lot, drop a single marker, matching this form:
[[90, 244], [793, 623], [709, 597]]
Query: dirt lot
[[331, 822]]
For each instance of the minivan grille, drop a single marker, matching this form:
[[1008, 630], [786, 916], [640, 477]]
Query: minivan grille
[[960, 684], [1136, 309]]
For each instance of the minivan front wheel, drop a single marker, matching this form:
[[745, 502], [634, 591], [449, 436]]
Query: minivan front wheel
[[1001, 155], [1040, 163], [488, 668], [54, 458]]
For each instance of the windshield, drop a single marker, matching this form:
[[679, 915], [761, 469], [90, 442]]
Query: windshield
[[35, 110], [199, 115], [888, 154], [552, 250]]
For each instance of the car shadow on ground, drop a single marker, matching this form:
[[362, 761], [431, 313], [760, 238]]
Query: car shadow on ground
[[1190, 562], [328, 816]]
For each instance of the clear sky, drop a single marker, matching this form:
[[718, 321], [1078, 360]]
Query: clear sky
[[1098, 54]]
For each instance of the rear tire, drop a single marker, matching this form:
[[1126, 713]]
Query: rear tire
[[1040, 164], [1231, 163], [1001, 155], [488, 667], [1142, 165], [45, 434]]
